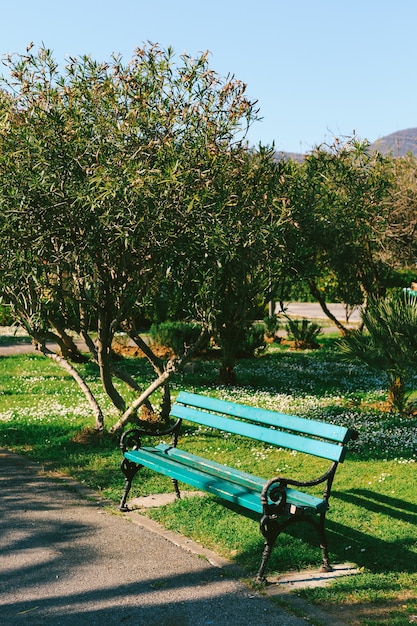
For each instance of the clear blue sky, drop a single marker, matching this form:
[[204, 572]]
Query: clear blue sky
[[319, 68]]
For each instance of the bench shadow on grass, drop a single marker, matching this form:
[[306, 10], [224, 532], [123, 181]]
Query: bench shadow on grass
[[298, 546], [387, 505], [368, 550]]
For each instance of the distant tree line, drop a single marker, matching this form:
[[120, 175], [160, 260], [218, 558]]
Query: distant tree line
[[128, 192]]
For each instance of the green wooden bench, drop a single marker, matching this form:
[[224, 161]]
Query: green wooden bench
[[279, 501]]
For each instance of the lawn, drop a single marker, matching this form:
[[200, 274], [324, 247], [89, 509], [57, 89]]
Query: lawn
[[373, 517]]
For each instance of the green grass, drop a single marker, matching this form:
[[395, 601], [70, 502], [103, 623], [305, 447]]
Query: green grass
[[373, 517]]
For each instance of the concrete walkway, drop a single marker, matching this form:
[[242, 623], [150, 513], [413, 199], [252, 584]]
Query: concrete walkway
[[312, 310], [68, 560]]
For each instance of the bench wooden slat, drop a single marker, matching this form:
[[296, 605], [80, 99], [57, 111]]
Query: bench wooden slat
[[160, 462], [299, 499], [216, 479], [315, 447], [339, 434], [255, 483]]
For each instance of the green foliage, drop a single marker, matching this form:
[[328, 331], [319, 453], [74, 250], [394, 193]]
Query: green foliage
[[272, 325], [304, 332], [122, 183], [6, 318], [295, 289], [238, 341], [389, 344], [403, 216], [175, 335], [253, 340], [224, 270], [127, 191], [402, 277], [336, 214]]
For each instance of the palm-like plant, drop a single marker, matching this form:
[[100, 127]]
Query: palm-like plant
[[388, 344], [304, 332]]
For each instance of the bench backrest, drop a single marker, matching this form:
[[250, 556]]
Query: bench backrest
[[287, 431]]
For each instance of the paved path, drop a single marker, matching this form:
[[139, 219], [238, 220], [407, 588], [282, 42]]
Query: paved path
[[68, 560], [312, 310]]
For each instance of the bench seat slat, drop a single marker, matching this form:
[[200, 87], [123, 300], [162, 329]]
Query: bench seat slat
[[160, 462], [226, 482], [249, 481], [315, 447], [255, 483], [339, 434]]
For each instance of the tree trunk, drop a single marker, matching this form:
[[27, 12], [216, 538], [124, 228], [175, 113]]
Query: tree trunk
[[396, 394], [104, 341], [227, 375], [158, 366], [67, 345], [315, 292], [132, 410], [99, 418], [174, 365]]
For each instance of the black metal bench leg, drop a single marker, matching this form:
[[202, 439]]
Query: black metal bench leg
[[326, 567], [260, 576], [129, 470], [270, 530], [176, 488]]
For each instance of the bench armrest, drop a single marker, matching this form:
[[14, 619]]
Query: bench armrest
[[274, 489], [131, 438]]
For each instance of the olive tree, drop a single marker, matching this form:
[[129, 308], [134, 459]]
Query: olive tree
[[401, 231], [113, 178], [227, 273], [337, 216]]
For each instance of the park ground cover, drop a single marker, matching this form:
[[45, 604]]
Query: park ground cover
[[373, 517]]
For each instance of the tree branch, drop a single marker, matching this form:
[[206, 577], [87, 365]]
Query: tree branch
[[99, 418]]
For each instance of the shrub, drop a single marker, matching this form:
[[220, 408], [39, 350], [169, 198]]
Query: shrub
[[6, 318], [272, 326], [389, 344], [175, 335], [304, 333], [254, 339]]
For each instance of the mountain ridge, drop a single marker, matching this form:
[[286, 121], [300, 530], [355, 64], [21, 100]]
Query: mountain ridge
[[398, 144]]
